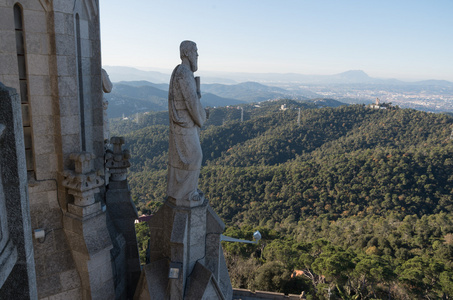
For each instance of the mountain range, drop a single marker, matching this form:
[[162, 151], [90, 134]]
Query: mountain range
[[130, 97], [118, 73], [141, 91]]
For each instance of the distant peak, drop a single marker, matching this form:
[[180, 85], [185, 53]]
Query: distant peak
[[354, 73]]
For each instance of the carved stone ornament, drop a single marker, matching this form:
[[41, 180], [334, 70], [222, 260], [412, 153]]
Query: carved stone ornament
[[117, 160], [83, 182]]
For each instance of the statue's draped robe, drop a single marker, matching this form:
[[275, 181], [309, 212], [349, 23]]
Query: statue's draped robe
[[186, 117]]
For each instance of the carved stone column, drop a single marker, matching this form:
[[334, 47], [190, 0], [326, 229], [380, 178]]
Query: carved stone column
[[86, 229], [122, 210]]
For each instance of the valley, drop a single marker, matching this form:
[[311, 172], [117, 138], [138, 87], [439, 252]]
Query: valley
[[358, 200]]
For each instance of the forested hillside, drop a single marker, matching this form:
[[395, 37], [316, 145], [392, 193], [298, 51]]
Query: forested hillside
[[132, 97], [360, 200]]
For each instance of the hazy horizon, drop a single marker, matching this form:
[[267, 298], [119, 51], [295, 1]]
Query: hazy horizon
[[220, 72], [406, 40]]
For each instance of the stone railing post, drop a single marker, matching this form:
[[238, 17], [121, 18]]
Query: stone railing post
[[85, 226], [122, 210]]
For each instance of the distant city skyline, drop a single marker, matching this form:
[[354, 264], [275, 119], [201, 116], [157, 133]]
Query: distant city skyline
[[407, 40]]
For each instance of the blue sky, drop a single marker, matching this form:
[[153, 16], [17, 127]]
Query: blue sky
[[410, 40]]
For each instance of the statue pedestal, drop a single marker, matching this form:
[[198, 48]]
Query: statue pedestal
[[185, 255]]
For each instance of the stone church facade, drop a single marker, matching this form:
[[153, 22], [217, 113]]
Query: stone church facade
[[66, 226]]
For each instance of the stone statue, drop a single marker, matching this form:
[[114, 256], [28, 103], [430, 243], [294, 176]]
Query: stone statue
[[186, 116], [106, 88]]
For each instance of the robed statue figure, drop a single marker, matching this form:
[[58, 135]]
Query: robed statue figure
[[186, 117]]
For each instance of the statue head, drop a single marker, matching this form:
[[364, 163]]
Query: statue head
[[188, 50]]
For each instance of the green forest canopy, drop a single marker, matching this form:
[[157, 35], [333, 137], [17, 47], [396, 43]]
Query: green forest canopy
[[358, 198]]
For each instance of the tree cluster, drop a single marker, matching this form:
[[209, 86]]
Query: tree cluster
[[358, 200]]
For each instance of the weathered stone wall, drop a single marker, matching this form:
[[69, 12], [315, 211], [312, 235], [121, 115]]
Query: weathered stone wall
[[37, 42], [55, 268], [17, 267], [62, 43], [61, 50]]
